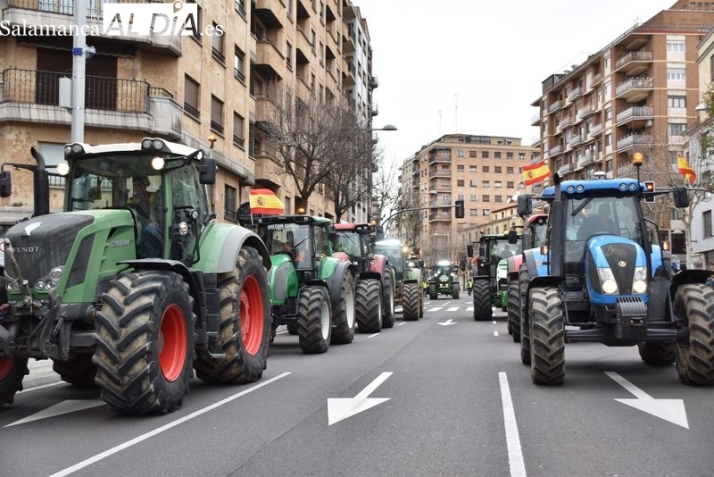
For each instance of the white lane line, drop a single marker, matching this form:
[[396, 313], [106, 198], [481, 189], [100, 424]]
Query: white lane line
[[471, 308], [453, 308], [436, 309], [513, 440], [493, 323], [41, 387], [143, 437], [373, 335], [402, 323], [495, 333]]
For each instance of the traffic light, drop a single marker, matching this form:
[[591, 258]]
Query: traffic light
[[649, 192], [459, 209]]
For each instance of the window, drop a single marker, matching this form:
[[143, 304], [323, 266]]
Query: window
[[216, 115], [473, 153], [238, 136], [240, 7], [473, 183], [473, 212], [485, 212], [485, 184], [608, 140], [190, 99], [196, 34], [510, 184], [497, 155], [460, 183], [445, 153], [473, 197], [608, 114], [484, 154], [485, 198], [460, 168], [676, 101], [708, 226], [289, 55], [472, 169], [675, 47], [676, 74], [509, 170], [676, 129], [485, 169], [217, 48], [509, 155], [498, 184], [497, 169], [230, 210], [460, 153], [497, 198], [239, 64], [521, 156]]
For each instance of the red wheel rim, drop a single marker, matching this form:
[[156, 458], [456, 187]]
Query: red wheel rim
[[5, 367], [172, 342], [251, 315]]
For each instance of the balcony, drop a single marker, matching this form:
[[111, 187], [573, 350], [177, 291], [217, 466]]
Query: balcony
[[348, 75], [375, 110], [268, 169], [575, 141], [595, 130], [640, 141], [634, 90], [348, 41], [268, 60], [555, 150], [440, 155], [575, 94], [585, 159], [634, 63], [565, 169], [596, 79], [59, 14], [586, 111], [439, 173], [635, 117], [373, 82], [535, 120], [112, 103], [442, 216], [565, 122], [267, 11], [555, 106]]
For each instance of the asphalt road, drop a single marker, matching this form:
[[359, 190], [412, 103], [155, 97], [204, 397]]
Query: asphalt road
[[443, 396]]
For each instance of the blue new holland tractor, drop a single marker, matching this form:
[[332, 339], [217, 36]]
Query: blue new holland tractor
[[603, 276]]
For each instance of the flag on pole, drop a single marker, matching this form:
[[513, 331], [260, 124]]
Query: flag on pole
[[535, 173], [264, 201], [686, 170]]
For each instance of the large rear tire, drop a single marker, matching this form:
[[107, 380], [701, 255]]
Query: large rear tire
[[12, 371], [145, 342], [388, 302], [514, 312], [244, 326], [657, 354], [78, 370], [547, 336], [369, 306], [343, 312], [410, 301], [482, 300], [314, 320], [433, 292], [524, 322], [694, 303]]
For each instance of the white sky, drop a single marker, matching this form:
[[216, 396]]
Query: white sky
[[475, 66]]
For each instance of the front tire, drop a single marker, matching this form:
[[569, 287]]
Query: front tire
[[524, 322], [514, 318], [694, 302], [657, 354], [12, 372], [343, 313], [369, 306], [482, 300], [244, 325], [547, 336], [388, 306], [78, 370], [410, 302], [314, 320], [145, 341]]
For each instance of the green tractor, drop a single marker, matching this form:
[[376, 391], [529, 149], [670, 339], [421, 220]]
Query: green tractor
[[132, 297], [311, 292], [444, 280], [489, 273], [407, 276]]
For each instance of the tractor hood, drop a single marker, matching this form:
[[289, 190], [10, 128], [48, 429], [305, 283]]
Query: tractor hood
[[615, 266]]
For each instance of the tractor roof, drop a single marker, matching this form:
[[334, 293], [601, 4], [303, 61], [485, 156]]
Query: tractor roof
[[292, 219], [595, 187], [350, 227], [167, 146]]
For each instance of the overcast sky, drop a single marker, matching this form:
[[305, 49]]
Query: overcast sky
[[474, 66]]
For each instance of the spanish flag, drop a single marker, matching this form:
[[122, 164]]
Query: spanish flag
[[686, 170], [264, 201], [535, 173]]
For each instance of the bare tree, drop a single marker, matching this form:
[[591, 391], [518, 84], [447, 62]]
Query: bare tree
[[385, 187]]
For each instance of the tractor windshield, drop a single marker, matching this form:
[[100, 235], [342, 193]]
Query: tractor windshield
[[293, 239], [353, 244]]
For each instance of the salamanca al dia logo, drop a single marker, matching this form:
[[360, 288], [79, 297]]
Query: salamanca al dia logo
[[144, 19]]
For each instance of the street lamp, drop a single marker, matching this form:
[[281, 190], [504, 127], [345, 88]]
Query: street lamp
[[388, 127]]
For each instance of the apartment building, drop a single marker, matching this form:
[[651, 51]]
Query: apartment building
[[204, 90], [637, 94], [483, 171]]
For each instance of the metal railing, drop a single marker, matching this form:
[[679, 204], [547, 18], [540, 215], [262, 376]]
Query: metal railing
[[43, 87]]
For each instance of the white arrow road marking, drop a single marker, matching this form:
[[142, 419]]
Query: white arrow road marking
[[447, 322], [671, 410], [342, 408], [65, 407]]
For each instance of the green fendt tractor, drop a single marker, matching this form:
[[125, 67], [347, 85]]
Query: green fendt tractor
[[444, 280], [407, 278], [135, 285], [311, 292]]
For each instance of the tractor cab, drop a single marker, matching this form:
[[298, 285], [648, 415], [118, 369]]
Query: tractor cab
[[356, 241]]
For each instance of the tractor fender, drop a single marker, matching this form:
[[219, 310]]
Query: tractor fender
[[370, 276], [334, 281], [379, 264], [222, 244], [687, 276], [279, 278]]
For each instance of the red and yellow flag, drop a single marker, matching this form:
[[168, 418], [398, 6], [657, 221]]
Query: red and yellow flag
[[686, 170], [535, 173], [264, 201]]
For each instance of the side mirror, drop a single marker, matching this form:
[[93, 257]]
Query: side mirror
[[525, 205], [380, 232], [469, 250], [207, 171], [680, 197], [5, 184]]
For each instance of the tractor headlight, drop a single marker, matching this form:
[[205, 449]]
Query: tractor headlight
[[13, 286], [639, 282], [50, 281], [607, 280]]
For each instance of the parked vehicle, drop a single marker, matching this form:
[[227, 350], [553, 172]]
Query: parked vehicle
[[374, 289], [311, 292], [408, 276], [603, 276], [84, 291]]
